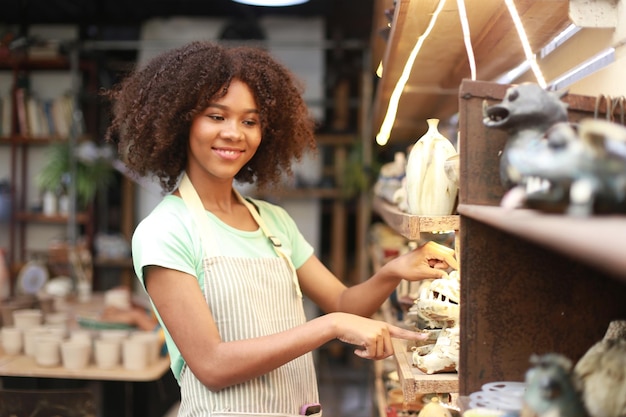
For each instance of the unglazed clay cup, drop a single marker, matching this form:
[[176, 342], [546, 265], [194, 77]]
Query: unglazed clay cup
[[114, 334], [12, 340], [134, 354], [81, 335], [57, 318], [75, 354], [27, 318], [107, 353], [152, 342], [30, 342], [119, 298], [48, 351], [8, 307]]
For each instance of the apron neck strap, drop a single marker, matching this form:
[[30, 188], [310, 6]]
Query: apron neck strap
[[194, 203]]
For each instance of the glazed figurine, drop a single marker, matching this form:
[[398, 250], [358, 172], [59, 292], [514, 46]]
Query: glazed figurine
[[551, 389], [602, 374], [552, 165], [526, 113], [584, 167]]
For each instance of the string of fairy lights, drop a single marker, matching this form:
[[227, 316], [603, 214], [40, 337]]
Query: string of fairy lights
[[385, 130]]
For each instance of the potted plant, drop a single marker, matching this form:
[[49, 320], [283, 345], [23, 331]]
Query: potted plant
[[93, 171]]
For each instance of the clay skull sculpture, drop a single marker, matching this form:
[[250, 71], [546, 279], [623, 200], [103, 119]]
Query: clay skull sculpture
[[438, 304]]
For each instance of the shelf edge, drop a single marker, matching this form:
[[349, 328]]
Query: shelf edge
[[598, 241], [410, 225]]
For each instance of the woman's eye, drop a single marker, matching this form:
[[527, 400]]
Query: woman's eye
[[250, 122], [216, 117]]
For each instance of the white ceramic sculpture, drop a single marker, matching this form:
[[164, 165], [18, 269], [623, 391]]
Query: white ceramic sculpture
[[390, 177], [429, 191], [438, 305]]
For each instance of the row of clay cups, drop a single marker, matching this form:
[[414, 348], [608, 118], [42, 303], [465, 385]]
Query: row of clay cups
[[27, 318], [52, 346], [134, 350]]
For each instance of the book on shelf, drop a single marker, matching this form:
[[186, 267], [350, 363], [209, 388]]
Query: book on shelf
[[61, 111], [7, 113], [20, 108], [44, 118]]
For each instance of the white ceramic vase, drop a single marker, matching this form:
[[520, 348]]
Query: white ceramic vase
[[429, 191]]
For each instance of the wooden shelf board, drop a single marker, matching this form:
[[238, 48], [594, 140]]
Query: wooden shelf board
[[415, 381], [56, 219], [299, 193], [597, 240], [410, 225], [105, 262], [336, 139]]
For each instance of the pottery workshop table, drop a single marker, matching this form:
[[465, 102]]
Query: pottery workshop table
[[151, 388], [25, 366]]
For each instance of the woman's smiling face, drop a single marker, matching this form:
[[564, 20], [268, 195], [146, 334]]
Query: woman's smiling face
[[226, 135]]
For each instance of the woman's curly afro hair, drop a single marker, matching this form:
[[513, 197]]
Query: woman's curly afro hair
[[153, 108]]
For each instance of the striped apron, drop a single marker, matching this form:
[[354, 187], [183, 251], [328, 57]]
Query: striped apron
[[249, 298]]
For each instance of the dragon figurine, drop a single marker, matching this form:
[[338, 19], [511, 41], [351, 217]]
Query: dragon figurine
[[553, 165]]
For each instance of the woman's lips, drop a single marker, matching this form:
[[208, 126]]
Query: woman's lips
[[230, 154]]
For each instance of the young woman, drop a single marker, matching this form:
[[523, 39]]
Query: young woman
[[225, 274]]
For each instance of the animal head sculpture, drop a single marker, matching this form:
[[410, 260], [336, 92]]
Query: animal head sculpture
[[526, 106], [525, 113], [438, 300], [551, 388], [552, 165]]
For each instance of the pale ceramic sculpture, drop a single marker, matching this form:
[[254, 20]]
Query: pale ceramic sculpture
[[390, 177], [438, 304], [429, 191], [443, 356], [435, 409], [601, 373]]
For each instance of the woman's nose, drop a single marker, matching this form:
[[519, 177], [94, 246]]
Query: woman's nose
[[232, 130]]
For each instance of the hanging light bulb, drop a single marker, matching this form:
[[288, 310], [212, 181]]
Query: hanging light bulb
[[271, 3]]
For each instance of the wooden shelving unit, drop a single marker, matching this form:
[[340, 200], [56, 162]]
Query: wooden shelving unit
[[434, 91], [531, 282], [412, 380], [24, 145]]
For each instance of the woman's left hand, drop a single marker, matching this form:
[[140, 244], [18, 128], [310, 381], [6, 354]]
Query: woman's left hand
[[429, 261]]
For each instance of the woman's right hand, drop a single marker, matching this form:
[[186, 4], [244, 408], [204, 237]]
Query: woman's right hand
[[372, 337]]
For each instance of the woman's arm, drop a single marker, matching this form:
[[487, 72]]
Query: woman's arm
[[186, 315], [429, 261]]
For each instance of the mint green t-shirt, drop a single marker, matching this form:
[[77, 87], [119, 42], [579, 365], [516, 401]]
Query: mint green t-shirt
[[168, 237]]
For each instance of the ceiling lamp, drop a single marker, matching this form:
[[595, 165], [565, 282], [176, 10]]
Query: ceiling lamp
[[271, 3]]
